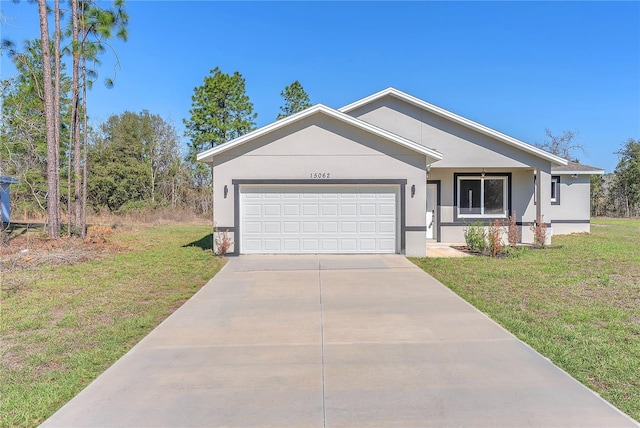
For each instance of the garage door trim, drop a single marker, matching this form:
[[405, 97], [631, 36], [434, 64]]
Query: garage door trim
[[238, 182]]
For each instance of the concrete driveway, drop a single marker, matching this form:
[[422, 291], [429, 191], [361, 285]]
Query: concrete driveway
[[332, 341]]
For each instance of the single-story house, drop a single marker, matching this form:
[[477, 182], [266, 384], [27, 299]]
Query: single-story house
[[385, 174], [5, 197]]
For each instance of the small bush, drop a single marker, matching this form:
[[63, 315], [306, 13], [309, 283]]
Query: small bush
[[223, 242], [539, 229], [494, 238], [474, 236]]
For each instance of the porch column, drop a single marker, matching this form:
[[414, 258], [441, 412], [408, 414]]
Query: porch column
[[537, 190]]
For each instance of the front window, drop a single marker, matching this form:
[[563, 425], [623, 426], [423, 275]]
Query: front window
[[482, 196]]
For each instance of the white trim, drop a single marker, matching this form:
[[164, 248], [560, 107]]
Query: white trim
[[432, 155], [458, 119], [595, 172]]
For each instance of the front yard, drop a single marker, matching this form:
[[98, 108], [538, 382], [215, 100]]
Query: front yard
[[577, 303], [65, 319]]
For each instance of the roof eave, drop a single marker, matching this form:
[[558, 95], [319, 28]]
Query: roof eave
[[431, 155], [594, 172]]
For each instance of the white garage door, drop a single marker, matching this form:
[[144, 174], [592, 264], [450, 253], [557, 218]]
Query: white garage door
[[318, 219]]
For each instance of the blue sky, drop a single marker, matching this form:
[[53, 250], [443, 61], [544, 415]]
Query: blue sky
[[517, 67]]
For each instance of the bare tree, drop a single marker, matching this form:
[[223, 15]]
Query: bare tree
[[563, 145]]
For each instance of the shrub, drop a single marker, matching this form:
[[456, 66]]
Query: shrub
[[539, 229], [474, 236], [223, 242], [494, 238], [513, 233]]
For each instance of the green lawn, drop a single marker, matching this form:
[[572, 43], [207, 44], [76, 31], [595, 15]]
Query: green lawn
[[67, 324], [578, 303]]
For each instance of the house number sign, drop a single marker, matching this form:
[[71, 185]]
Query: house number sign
[[319, 175]]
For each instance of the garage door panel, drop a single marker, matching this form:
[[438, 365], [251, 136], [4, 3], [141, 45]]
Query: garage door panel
[[310, 245], [387, 210], [272, 227], [253, 227], [386, 227], [367, 245], [310, 227], [387, 244], [330, 245], [291, 245], [291, 210], [310, 209], [348, 210], [291, 227], [329, 209], [368, 227], [330, 227], [349, 245], [272, 245], [252, 210], [318, 219], [368, 210], [271, 210], [348, 227]]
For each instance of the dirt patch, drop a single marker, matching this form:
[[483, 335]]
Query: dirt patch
[[31, 251]]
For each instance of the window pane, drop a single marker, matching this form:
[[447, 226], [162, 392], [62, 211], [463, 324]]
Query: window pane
[[554, 184], [494, 196], [469, 197]]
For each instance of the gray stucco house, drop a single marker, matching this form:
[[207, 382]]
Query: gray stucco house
[[385, 174]]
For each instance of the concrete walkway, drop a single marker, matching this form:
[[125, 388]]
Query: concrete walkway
[[332, 341]]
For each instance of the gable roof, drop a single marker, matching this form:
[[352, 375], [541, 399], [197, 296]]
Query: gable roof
[[576, 168], [208, 155], [457, 119]]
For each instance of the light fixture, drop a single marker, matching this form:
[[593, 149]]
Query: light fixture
[[482, 173], [428, 171], [574, 176], [413, 190], [226, 191]]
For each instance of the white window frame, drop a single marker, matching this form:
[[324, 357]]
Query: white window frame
[[505, 202]]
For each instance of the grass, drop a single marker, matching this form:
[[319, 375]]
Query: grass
[[577, 303], [67, 324]]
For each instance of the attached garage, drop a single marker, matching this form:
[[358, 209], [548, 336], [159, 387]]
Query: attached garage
[[320, 181], [318, 219]]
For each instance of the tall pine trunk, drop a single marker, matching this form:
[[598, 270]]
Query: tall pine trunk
[[53, 180], [56, 100], [74, 123], [77, 153], [83, 210]]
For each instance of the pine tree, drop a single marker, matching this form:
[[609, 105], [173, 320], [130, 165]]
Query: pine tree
[[295, 100]]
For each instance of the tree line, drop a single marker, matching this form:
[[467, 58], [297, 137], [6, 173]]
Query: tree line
[[44, 110], [132, 161]]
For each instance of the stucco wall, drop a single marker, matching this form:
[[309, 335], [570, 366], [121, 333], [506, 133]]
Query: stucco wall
[[465, 150], [461, 146], [320, 144], [573, 213]]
